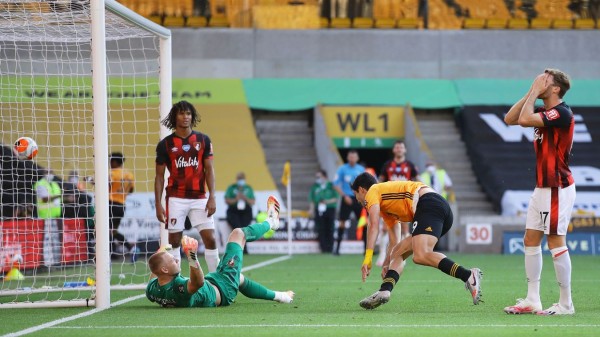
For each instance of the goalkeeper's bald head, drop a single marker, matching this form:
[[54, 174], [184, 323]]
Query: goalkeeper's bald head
[[157, 261]]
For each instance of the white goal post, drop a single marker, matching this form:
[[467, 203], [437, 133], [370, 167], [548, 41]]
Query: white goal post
[[83, 78]]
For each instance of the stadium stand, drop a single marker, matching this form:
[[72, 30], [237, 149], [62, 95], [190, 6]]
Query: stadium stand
[[386, 14]]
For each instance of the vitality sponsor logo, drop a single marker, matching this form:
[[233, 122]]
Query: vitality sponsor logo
[[182, 162]]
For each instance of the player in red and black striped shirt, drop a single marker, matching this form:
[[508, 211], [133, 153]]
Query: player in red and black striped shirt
[[551, 204], [188, 156], [398, 168]]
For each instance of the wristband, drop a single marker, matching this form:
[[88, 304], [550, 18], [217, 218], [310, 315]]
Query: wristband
[[368, 257]]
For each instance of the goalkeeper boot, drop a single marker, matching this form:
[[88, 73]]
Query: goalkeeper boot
[[524, 306], [557, 309], [375, 300], [284, 296], [473, 285], [273, 212]]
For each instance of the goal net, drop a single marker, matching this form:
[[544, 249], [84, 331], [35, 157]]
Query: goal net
[[46, 91]]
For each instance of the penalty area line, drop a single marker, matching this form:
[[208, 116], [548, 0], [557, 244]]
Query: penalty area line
[[115, 304]]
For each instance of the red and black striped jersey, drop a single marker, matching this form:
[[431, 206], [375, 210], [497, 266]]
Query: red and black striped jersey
[[553, 144], [393, 171], [184, 158]]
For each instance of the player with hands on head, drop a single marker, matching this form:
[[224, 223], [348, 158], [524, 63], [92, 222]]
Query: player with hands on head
[[551, 203], [431, 216], [169, 289]]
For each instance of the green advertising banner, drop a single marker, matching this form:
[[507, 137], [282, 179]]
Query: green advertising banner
[[55, 89]]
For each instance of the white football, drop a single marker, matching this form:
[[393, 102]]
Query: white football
[[26, 148]]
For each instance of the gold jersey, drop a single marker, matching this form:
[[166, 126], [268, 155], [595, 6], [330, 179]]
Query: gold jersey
[[395, 200], [120, 185]]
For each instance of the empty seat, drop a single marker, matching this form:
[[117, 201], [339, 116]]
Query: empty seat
[[474, 23], [540, 23], [562, 24], [408, 23], [196, 22], [518, 24], [340, 23], [585, 24], [495, 23], [385, 23], [174, 21], [362, 23], [156, 19], [218, 21], [324, 23]]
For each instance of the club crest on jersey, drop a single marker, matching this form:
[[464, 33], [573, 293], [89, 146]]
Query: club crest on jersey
[[186, 147], [231, 262], [173, 221], [180, 289], [174, 149], [552, 114], [197, 146]]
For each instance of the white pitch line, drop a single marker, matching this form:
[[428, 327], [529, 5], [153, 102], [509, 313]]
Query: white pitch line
[[123, 301], [311, 326], [70, 318], [266, 263]]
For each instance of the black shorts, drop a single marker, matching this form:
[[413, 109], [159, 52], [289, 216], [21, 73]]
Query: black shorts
[[433, 216], [116, 212], [346, 209]]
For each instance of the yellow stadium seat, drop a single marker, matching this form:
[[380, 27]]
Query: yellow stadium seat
[[156, 19], [518, 24], [408, 23], [196, 22], [495, 23], [385, 23], [585, 24], [474, 23], [340, 23], [562, 24], [174, 21], [540, 23], [362, 23], [324, 23], [218, 21]]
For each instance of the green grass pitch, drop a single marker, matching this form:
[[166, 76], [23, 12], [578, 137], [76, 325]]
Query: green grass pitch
[[425, 302]]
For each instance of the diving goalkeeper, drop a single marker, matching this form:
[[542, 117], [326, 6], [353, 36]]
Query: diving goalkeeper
[[219, 288]]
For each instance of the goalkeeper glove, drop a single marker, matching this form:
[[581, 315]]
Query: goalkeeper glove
[[190, 247]]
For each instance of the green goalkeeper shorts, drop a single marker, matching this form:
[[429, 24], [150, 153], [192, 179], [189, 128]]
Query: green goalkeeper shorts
[[227, 275]]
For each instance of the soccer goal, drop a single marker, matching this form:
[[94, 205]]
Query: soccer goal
[[83, 79]]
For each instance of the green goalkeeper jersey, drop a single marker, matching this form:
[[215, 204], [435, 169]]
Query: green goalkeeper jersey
[[175, 294]]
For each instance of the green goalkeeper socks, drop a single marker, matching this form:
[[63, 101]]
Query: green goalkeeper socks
[[256, 290], [256, 231]]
